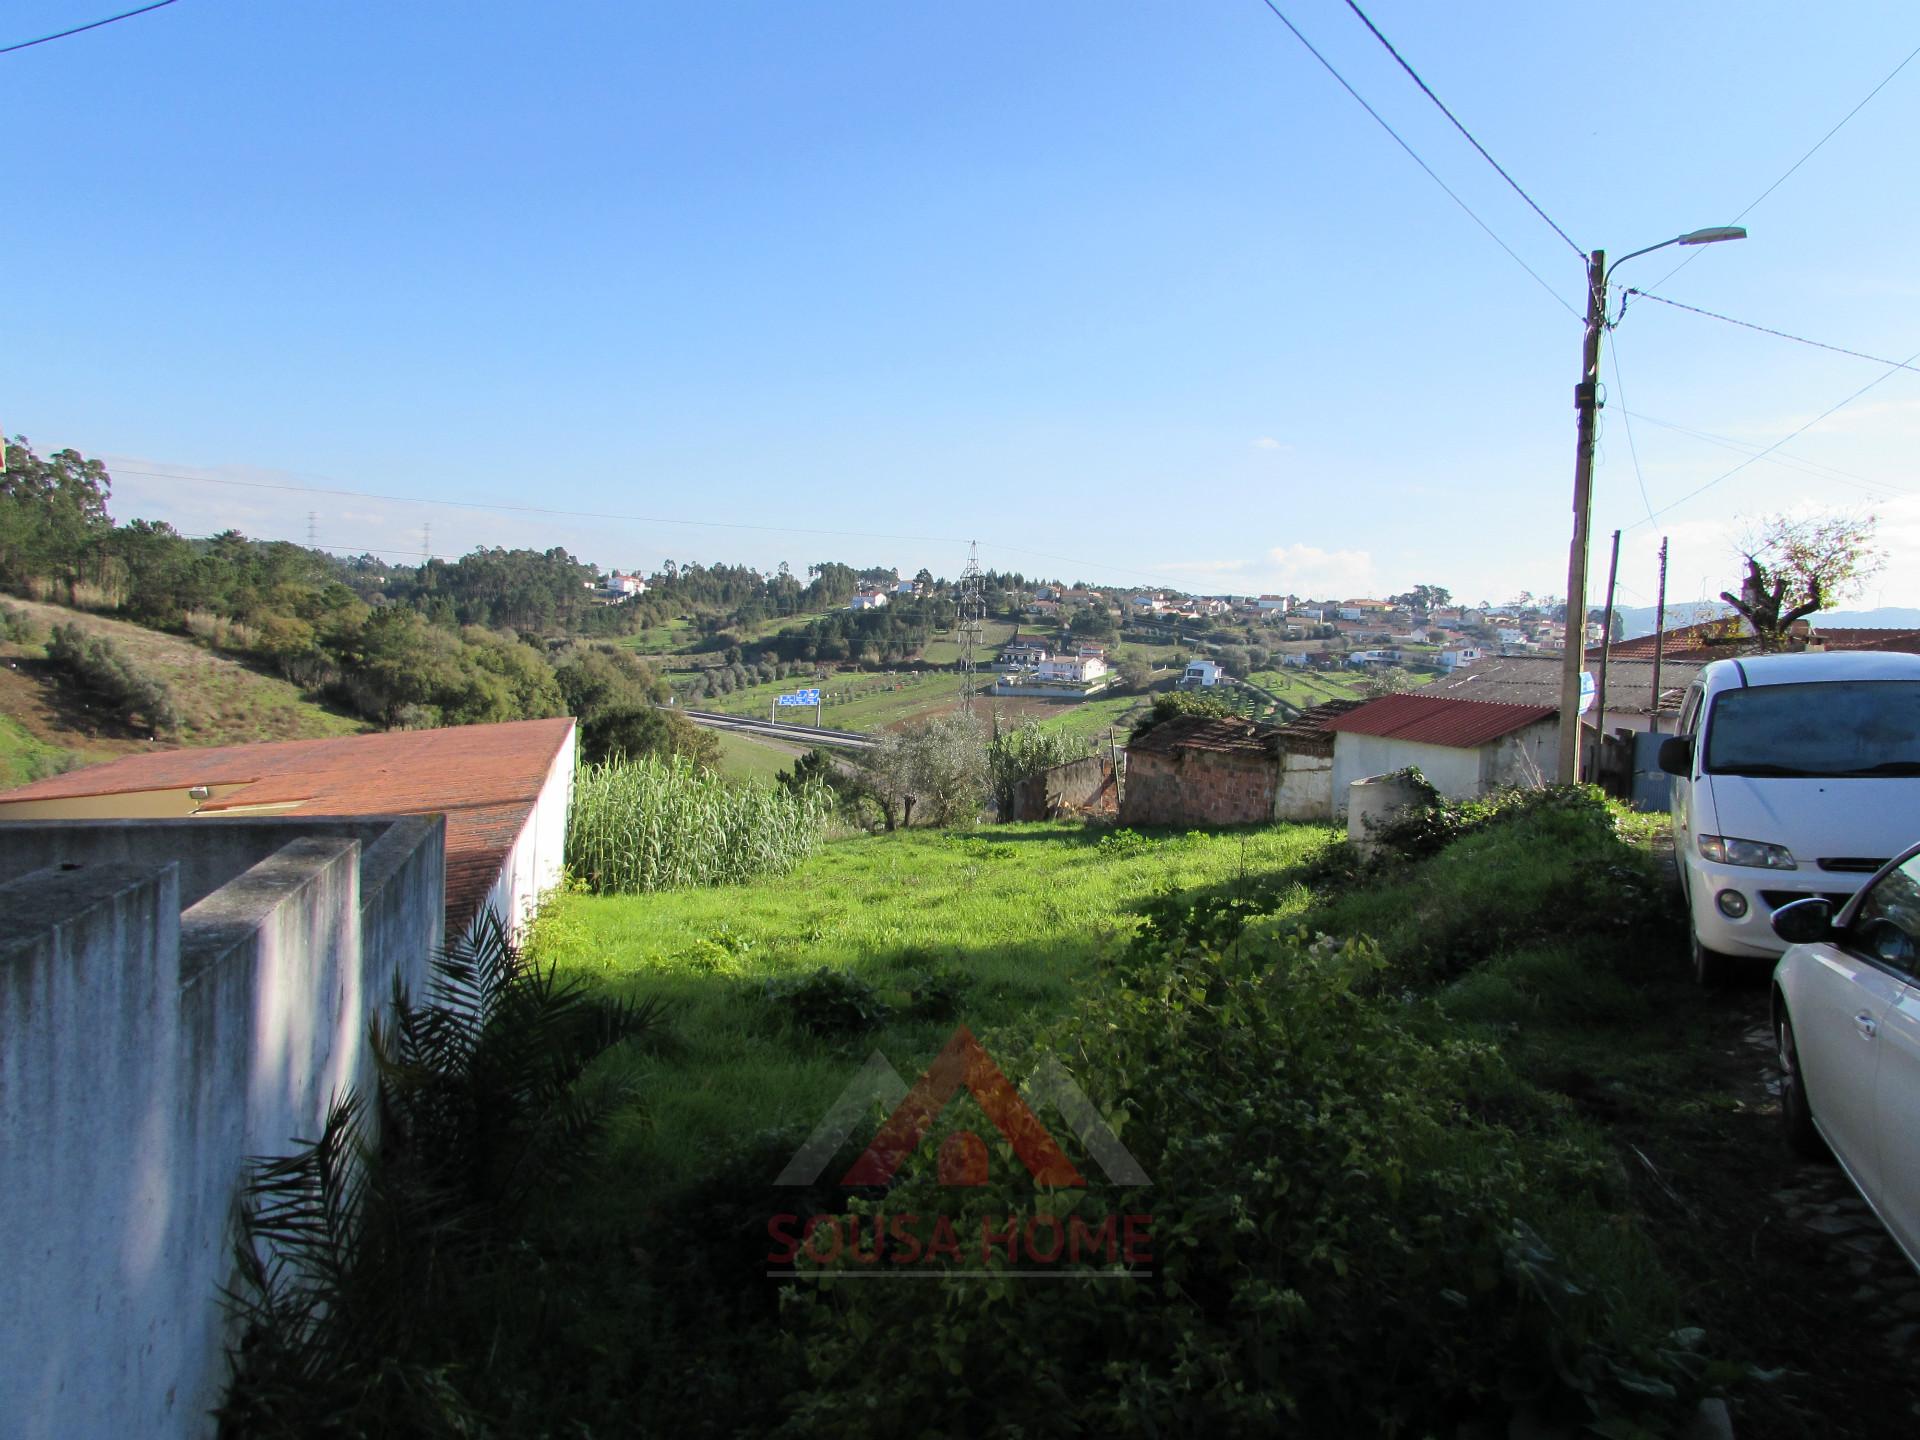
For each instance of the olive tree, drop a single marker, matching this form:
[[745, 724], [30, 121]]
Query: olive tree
[[1799, 565]]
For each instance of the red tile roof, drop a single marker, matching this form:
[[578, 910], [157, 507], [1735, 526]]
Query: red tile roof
[[1434, 720], [1311, 731], [484, 778]]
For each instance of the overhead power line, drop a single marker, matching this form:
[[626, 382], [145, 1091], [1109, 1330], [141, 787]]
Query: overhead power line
[[1094, 567], [1427, 90], [1626, 420], [502, 507], [1765, 330], [1788, 174], [1414, 155], [1815, 468], [1894, 369], [82, 29]]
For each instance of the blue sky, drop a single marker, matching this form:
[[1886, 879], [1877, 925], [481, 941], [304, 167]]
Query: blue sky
[[1137, 286]]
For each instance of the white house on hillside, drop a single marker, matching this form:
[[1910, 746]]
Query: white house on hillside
[[1075, 669], [866, 601], [1024, 652]]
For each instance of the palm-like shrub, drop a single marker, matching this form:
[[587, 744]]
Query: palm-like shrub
[[364, 1268]]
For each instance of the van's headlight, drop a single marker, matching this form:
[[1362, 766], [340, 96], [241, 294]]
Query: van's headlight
[[1726, 850]]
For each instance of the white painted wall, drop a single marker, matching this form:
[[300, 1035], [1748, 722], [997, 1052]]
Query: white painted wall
[[1306, 788], [1525, 757], [537, 861], [1454, 773]]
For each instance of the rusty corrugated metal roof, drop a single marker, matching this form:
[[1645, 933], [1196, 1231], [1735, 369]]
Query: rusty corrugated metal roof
[[1435, 720]]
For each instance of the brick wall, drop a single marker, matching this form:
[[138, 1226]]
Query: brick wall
[[1198, 787]]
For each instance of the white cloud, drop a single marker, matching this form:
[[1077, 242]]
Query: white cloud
[[1309, 570], [1300, 569], [1267, 442]]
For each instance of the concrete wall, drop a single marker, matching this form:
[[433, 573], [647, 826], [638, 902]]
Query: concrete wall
[[1306, 787], [537, 861], [208, 850], [146, 1052], [1078, 788], [1454, 773], [1525, 758], [1198, 787]]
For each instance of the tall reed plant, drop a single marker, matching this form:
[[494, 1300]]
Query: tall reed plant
[[653, 824]]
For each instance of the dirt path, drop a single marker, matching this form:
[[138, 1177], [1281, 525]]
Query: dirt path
[[1780, 1258]]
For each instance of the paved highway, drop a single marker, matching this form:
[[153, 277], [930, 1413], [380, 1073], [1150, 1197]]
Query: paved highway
[[779, 730]]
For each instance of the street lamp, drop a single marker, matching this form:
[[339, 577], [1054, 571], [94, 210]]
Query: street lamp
[[1586, 404]]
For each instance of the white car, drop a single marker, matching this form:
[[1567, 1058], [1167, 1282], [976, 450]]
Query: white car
[[1794, 775], [1846, 1025]]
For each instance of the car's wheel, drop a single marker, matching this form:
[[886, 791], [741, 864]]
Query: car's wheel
[[1796, 1114], [1710, 967]]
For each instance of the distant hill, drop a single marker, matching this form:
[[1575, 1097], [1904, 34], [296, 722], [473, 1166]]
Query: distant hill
[[45, 727], [1639, 619]]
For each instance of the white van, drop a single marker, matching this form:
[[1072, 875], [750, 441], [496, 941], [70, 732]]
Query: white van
[[1794, 775]]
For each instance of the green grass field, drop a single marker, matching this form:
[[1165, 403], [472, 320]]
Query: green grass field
[[945, 649], [855, 701], [24, 756], [744, 758], [1019, 911], [664, 639], [1307, 688]]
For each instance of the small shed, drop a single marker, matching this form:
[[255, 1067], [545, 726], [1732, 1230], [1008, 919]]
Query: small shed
[[1464, 747], [1201, 770]]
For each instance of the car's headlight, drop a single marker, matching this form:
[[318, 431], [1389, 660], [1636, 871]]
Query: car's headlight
[[1726, 850]]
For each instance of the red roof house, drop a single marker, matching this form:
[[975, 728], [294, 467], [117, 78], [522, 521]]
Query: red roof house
[[1464, 747]]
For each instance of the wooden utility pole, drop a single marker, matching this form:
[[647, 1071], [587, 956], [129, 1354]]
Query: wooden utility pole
[[1606, 638], [1586, 404], [1659, 639]]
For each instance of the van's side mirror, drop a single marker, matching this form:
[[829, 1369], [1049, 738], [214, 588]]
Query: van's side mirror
[[1676, 755], [1801, 922]]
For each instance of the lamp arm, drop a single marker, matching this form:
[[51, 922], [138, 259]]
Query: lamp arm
[[1631, 254]]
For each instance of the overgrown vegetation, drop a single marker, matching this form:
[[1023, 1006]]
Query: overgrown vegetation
[[1182, 702], [1369, 1214], [109, 675], [1359, 1227], [654, 823], [1016, 754]]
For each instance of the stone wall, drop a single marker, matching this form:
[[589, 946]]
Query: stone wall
[[1199, 787]]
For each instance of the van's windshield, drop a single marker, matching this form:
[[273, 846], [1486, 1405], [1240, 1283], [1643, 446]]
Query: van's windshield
[[1842, 728]]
